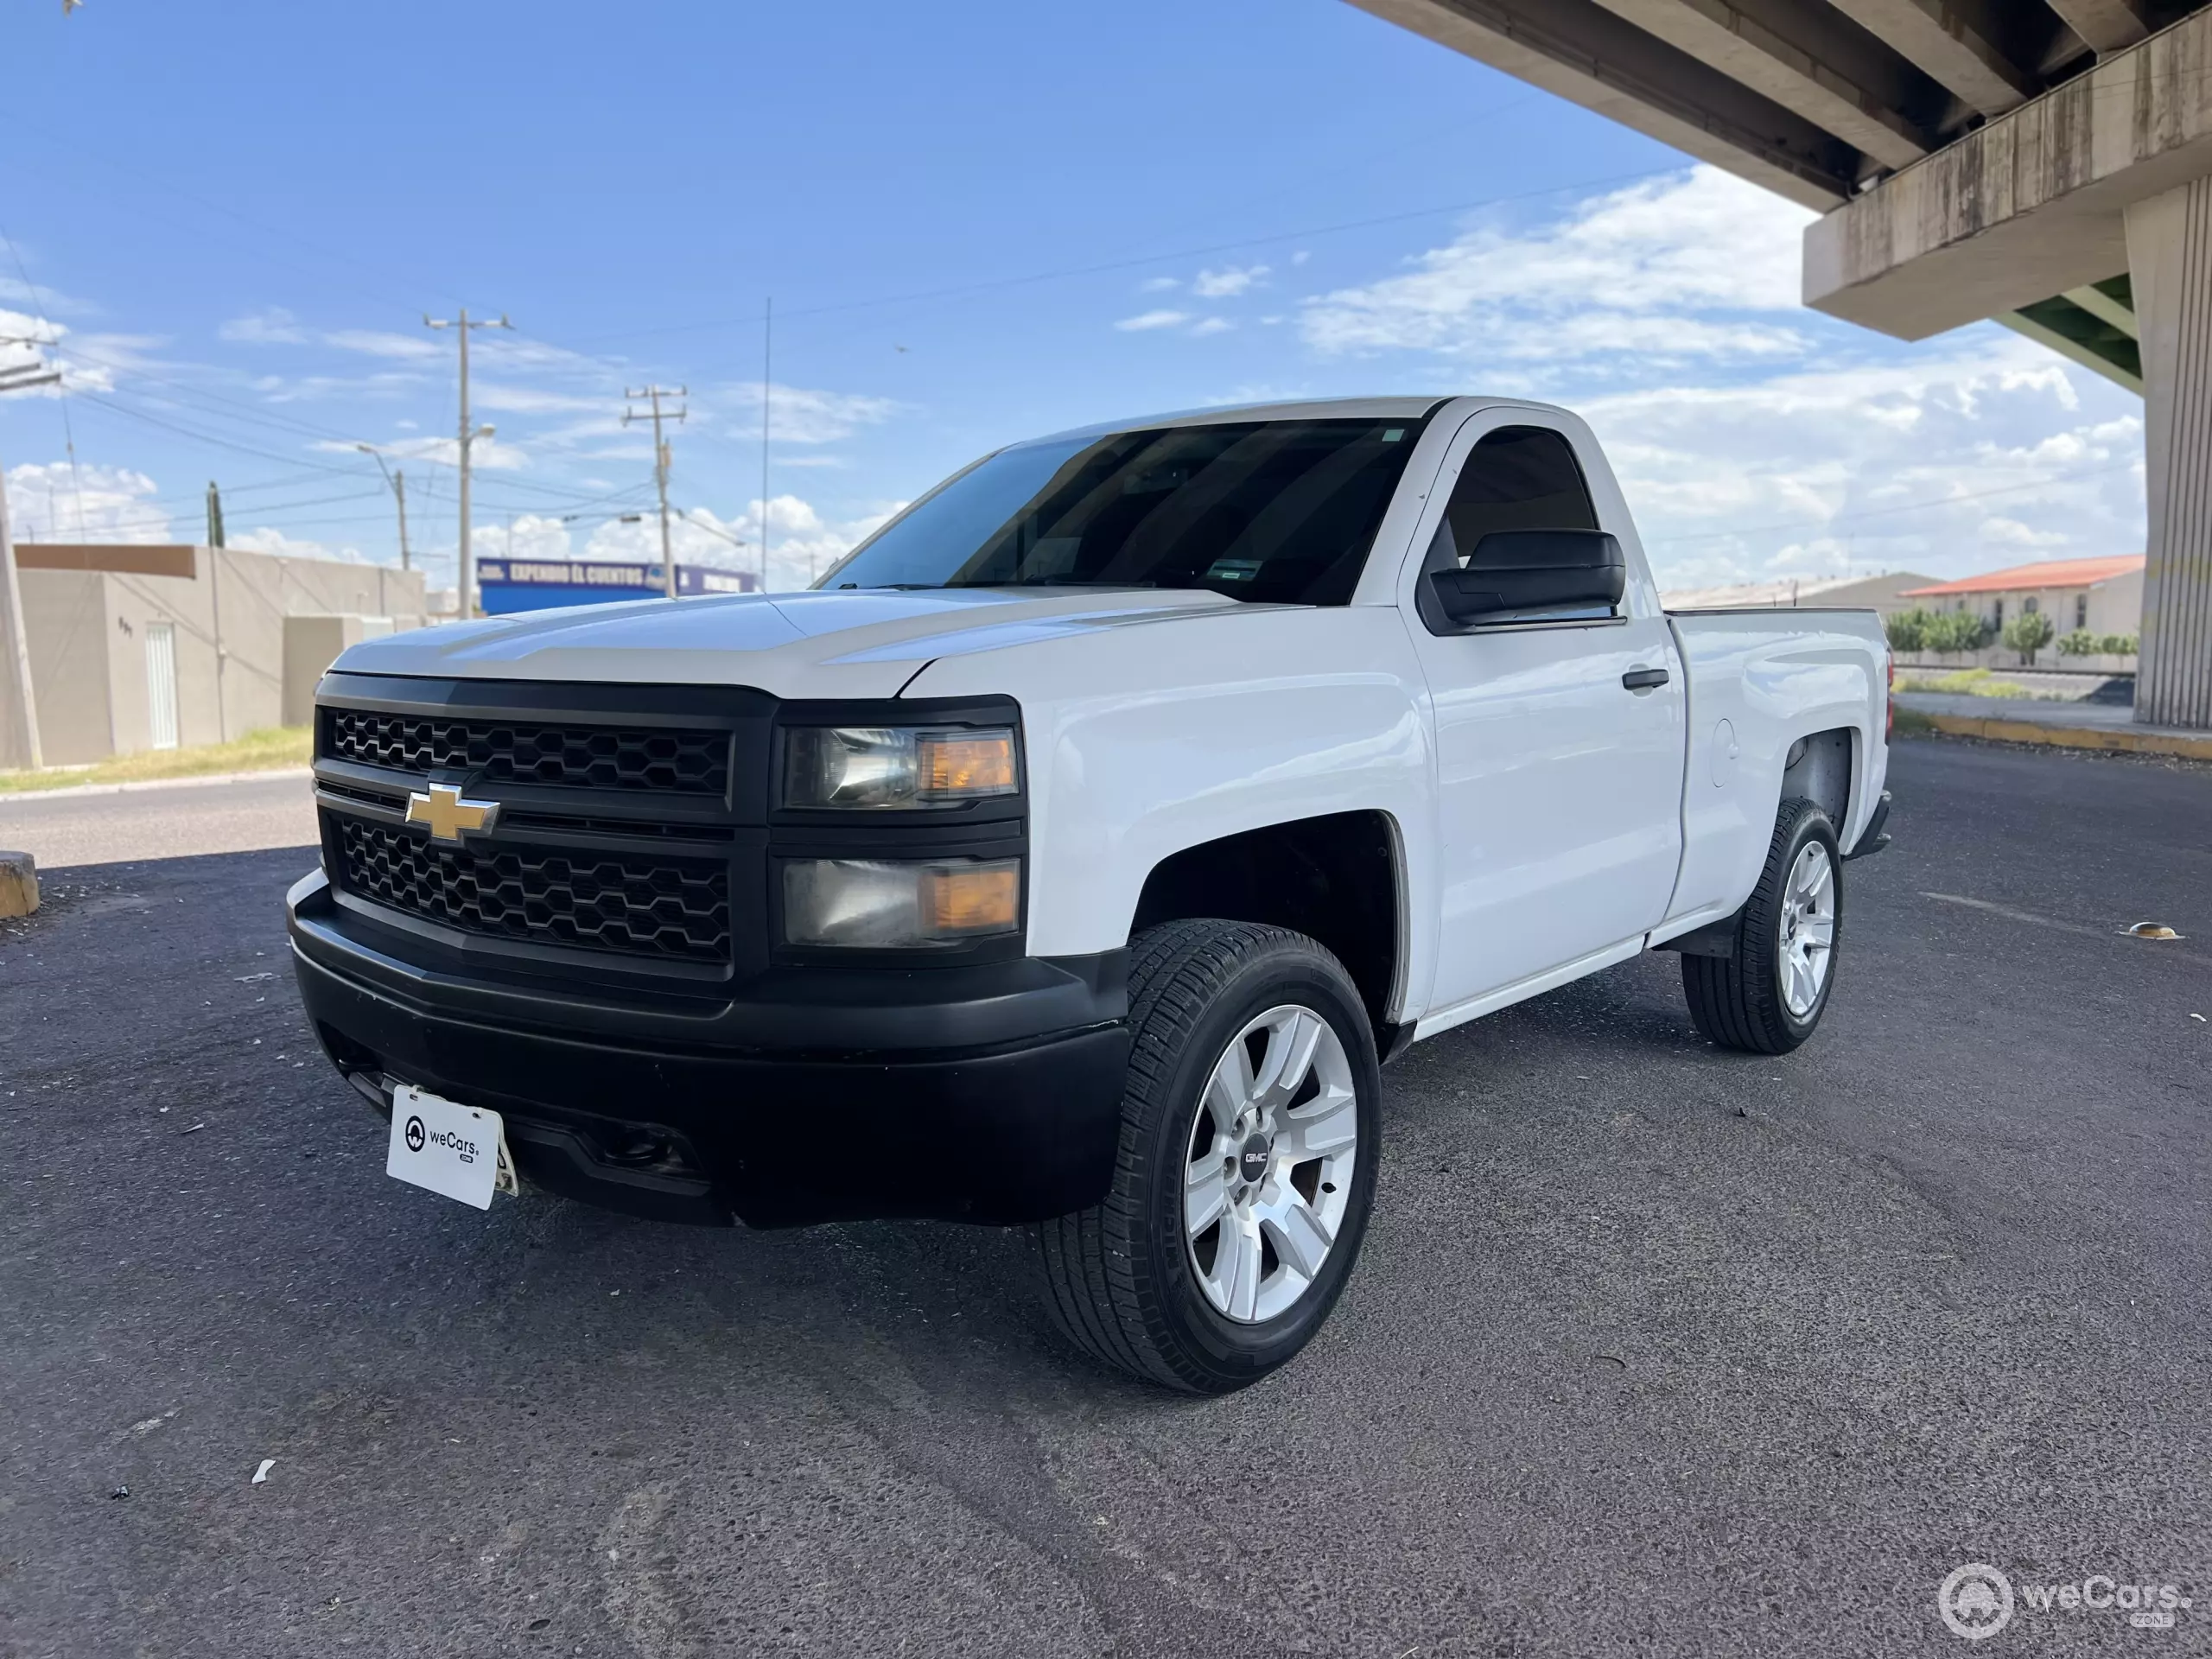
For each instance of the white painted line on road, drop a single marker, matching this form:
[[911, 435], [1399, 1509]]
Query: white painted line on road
[[74, 791], [2034, 920], [2028, 917]]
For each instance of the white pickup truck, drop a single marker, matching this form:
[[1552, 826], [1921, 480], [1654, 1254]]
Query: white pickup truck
[[1075, 851]]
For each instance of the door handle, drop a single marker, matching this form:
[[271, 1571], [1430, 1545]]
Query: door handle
[[1643, 679]]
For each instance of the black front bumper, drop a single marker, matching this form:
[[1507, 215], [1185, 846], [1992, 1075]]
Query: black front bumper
[[985, 1093]]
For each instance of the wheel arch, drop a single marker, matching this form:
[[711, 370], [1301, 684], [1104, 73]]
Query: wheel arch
[[1338, 878], [1818, 767]]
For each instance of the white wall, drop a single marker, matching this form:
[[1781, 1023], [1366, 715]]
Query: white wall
[[87, 632]]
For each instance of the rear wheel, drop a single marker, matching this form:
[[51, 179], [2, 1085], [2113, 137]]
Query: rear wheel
[[1768, 996], [1246, 1167]]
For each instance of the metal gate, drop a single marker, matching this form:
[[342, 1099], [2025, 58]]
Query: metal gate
[[161, 683]]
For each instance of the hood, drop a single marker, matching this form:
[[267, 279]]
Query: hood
[[864, 644]]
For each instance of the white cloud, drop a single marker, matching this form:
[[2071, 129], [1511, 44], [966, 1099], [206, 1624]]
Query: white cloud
[[801, 543], [1205, 326], [528, 400], [268, 540], [1752, 437], [376, 342], [485, 453], [307, 388], [273, 325], [44, 300], [1702, 245], [798, 414], [1227, 283], [87, 362], [56, 502], [1158, 284], [531, 536], [1147, 320], [1948, 460], [23, 339]]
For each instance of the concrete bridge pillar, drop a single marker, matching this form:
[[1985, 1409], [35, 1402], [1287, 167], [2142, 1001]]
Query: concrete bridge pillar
[[2169, 262]]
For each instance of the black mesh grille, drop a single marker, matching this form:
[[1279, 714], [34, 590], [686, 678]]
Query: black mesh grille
[[595, 757], [671, 908]]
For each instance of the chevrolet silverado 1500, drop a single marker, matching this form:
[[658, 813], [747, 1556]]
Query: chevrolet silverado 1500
[[1075, 851]]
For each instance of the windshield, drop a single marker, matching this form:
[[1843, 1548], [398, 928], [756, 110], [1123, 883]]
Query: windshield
[[1278, 511]]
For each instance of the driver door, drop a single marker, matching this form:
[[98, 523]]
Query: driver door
[[1559, 762]]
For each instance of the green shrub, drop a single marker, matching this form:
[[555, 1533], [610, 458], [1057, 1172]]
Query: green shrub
[[1908, 630], [2080, 643], [2028, 633], [2117, 645], [1954, 631]]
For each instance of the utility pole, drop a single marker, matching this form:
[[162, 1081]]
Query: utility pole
[[398, 482], [17, 641], [464, 569], [215, 602], [654, 394], [767, 379]]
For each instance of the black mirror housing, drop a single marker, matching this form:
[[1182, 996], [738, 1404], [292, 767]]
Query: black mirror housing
[[1514, 571]]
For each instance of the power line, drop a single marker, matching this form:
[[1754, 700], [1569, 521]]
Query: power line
[[208, 437], [1104, 267]]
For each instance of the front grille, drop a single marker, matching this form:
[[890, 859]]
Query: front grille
[[668, 908], [674, 759]]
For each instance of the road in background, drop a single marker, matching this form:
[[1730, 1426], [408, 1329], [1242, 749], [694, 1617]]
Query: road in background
[[170, 820], [1652, 1348]]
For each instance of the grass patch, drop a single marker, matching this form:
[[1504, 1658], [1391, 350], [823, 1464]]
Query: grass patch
[[1970, 682], [1910, 723], [267, 750]]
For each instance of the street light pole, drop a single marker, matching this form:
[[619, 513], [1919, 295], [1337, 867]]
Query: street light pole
[[465, 570], [398, 482]]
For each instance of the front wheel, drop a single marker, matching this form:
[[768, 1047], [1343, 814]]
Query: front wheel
[[1247, 1161], [1767, 996]]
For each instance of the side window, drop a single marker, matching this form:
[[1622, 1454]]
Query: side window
[[1516, 477]]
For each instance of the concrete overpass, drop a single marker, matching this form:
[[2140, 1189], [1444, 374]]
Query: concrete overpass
[[2046, 163]]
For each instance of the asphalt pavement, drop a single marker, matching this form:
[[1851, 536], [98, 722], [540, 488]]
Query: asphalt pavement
[[1652, 1349]]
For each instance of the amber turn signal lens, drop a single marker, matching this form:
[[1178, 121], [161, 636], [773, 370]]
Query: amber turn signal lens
[[966, 764], [984, 898]]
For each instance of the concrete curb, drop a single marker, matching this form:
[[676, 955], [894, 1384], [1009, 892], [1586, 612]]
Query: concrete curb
[[18, 884], [2073, 737], [75, 790]]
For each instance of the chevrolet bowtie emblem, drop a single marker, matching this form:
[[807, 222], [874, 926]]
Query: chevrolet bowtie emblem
[[449, 816]]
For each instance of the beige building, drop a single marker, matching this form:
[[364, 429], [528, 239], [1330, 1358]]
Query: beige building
[[1884, 593], [2100, 596], [149, 647]]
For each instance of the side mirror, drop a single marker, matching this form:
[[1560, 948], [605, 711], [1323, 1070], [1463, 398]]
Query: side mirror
[[1516, 571]]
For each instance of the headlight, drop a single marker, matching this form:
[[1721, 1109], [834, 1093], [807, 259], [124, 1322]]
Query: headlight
[[896, 766], [850, 901]]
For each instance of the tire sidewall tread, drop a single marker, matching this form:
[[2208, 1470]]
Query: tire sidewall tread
[[1736, 1000], [1120, 1283]]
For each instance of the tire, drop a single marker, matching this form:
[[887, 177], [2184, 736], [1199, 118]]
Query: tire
[[1129, 1281], [1744, 1000]]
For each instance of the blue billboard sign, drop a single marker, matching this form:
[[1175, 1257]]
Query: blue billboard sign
[[505, 586]]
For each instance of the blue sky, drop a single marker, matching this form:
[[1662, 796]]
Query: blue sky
[[978, 223]]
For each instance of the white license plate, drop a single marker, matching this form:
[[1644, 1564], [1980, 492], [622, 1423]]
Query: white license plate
[[459, 1151]]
